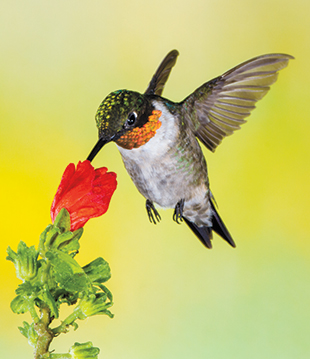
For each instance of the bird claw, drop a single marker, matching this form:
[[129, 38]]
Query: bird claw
[[178, 211], [152, 211]]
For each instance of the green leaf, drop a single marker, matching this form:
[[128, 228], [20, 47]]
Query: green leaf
[[27, 296], [27, 289], [68, 273], [12, 256], [49, 301], [98, 270], [24, 329], [51, 236], [61, 295], [29, 332], [43, 235], [75, 326], [64, 237], [70, 243], [20, 305], [109, 314], [59, 237], [62, 220], [105, 290]]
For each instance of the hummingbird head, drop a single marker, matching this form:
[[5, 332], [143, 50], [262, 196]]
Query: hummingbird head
[[127, 118]]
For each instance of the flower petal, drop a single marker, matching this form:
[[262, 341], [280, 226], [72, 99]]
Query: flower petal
[[84, 192]]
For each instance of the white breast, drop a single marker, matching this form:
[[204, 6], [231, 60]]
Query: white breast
[[149, 165]]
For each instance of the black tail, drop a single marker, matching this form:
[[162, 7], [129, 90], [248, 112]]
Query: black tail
[[205, 233]]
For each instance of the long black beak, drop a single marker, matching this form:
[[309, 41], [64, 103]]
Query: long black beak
[[101, 142]]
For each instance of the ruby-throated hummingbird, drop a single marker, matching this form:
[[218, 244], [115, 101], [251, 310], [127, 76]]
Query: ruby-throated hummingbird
[[158, 138]]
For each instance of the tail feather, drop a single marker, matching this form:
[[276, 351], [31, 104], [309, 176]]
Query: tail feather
[[205, 233], [219, 227]]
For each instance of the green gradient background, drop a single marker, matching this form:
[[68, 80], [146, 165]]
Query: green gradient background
[[173, 297]]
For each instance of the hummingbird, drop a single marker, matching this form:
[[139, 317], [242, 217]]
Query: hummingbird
[[158, 138]]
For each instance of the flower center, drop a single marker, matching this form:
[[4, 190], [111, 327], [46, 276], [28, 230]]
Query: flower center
[[141, 135]]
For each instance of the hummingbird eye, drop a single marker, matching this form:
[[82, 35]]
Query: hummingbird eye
[[131, 118]]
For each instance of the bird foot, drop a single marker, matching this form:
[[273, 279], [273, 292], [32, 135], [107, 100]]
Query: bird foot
[[178, 211], [152, 212]]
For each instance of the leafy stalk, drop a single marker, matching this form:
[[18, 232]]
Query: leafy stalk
[[51, 277]]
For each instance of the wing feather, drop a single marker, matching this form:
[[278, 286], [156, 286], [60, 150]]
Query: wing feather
[[218, 108], [161, 75]]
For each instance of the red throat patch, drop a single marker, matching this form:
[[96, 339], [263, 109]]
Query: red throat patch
[[141, 135]]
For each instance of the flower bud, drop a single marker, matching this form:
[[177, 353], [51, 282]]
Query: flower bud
[[25, 261], [92, 305], [98, 270], [84, 351]]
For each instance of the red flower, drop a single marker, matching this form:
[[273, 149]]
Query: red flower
[[84, 192]]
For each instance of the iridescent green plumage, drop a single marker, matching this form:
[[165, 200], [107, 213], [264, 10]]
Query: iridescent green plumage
[[114, 109]]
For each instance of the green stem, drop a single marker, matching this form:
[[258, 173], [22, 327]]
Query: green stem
[[62, 328], [33, 313], [60, 356], [45, 335]]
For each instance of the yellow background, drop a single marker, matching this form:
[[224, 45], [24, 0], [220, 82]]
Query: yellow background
[[173, 297]]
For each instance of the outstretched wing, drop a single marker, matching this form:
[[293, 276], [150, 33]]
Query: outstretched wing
[[218, 108], [158, 81]]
